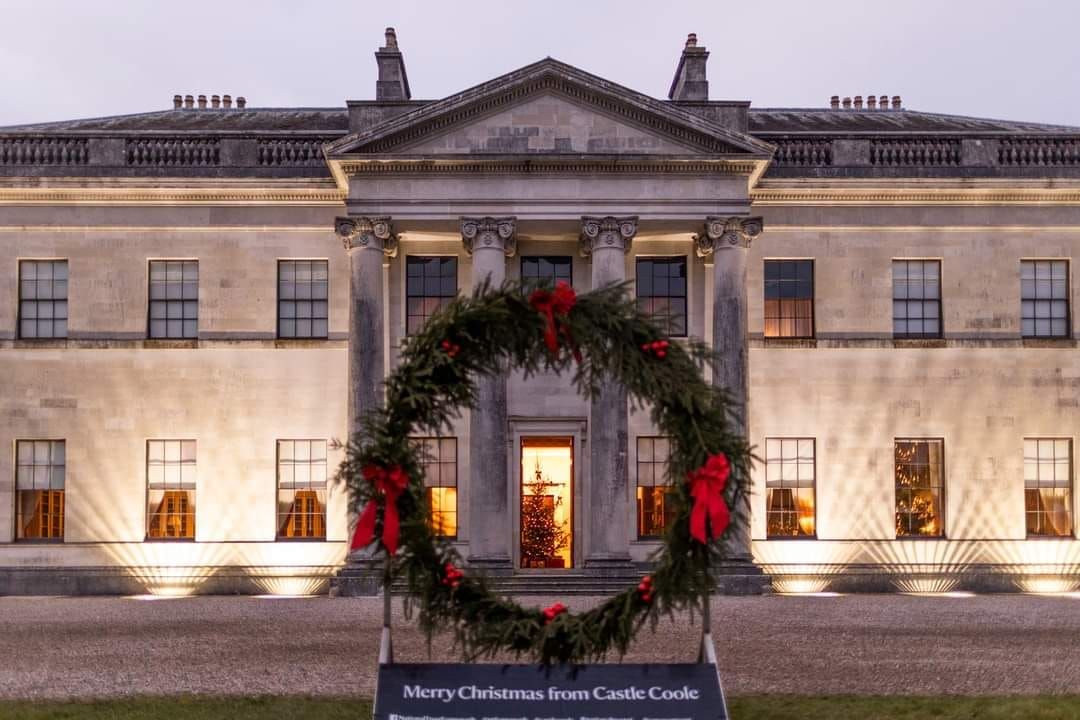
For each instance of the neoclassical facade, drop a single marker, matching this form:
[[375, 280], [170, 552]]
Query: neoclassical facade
[[196, 303]]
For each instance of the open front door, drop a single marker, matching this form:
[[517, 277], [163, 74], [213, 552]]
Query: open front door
[[547, 503]]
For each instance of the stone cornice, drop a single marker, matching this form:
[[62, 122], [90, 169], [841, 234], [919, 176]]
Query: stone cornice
[[607, 232], [546, 165], [723, 232], [939, 192], [357, 233], [144, 195], [498, 232]]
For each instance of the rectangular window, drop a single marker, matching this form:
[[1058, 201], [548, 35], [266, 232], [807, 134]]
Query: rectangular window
[[174, 299], [170, 489], [916, 298], [438, 458], [789, 298], [301, 500], [430, 283], [1048, 487], [655, 492], [661, 292], [43, 299], [920, 488], [790, 480], [1044, 298], [40, 467], [546, 270], [303, 289]]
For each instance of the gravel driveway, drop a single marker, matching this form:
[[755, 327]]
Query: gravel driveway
[[864, 644]]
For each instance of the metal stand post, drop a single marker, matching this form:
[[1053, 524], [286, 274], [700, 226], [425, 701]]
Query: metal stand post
[[386, 644], [707, 653]]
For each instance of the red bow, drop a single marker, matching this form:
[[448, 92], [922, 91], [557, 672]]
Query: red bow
[[391, 483], [550, 303], [707, 489], [553, 612], [451, 576]]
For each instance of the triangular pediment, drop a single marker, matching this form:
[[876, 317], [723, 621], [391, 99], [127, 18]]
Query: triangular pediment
[[549, 108]]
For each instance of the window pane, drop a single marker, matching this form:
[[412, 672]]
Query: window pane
[[661, 292], [919, 475], [789, 298]]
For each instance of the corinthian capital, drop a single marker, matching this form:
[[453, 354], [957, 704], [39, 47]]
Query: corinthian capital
[[489, 232], [727, 232], [367, 232], [607, 232]]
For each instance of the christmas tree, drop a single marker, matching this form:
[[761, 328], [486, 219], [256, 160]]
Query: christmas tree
[[541, 536]]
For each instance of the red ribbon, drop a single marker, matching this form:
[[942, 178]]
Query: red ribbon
[[707, 489], [550, 303], [391, 483], [553, 612]]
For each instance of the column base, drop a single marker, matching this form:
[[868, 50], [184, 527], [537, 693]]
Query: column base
[[610, 565], [740, 576], [492, 565], [360, 577]]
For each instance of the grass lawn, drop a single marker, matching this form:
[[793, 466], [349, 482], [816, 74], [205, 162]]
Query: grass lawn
[[743, 708]]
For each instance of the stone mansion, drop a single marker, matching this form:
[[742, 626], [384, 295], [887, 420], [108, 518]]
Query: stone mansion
[[196, 302]]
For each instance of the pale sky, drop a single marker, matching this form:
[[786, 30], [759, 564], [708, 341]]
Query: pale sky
[[1009, 59]]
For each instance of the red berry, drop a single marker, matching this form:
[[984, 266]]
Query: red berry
[[646, 347], [661, 354]]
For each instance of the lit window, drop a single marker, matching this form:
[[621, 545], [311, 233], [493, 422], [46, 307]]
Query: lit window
[[661, 292], [43, 299], [301, 500], [40, 467], [1048, 486], [920, 488], [430, 284], [302, 298], [655, 492], [174, 299], [438, 459], [170, 485], [916, 298], [546, 270], [789, 298], [1044, 298], [790, 486]]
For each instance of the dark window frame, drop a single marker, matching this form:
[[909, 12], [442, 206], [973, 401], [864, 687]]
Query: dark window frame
[[1069, 487], [165, 487], [295, 300], [782, 484], [23, 301], [665, 482], [942, 533], [16, 515], [922, 301], [443, 296], [796, 280], [668, 323], [166, 302], [1036, 264], [555, 260], [419, 442], [311, 485]]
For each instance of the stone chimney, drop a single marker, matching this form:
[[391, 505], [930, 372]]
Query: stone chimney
[[834, 102], [189, 102], [871, 102], [858, 102], [393, 83], [241, 102], [202, 102], [896, 104], [177, 102], [226, 101], [690, 82]]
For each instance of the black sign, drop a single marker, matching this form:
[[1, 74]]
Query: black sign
[[529, 692]]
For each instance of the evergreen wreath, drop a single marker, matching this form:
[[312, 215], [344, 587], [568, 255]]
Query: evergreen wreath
[[598, 336]]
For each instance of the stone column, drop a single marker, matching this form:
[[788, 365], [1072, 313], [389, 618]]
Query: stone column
[[728, 240], [367, 240], [490, 241], [606, 240]]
